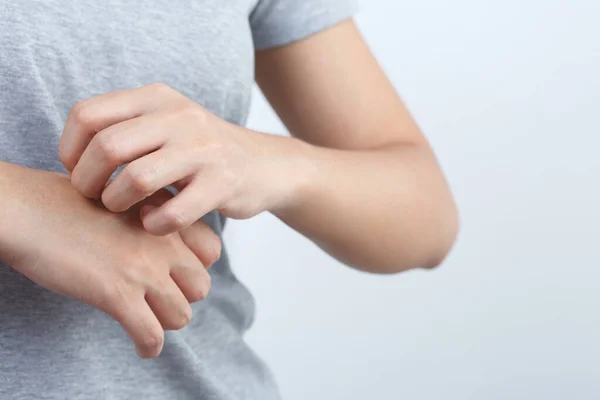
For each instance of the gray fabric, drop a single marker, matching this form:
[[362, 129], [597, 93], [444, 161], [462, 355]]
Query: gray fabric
[[56, 52]]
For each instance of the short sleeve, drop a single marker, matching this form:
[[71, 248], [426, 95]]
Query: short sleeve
[[279, 22]]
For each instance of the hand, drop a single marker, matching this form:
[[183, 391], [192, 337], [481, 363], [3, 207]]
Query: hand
[[169, 140], [75, 247]]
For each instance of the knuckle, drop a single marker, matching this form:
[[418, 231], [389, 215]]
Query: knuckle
[[66, 158], [198, 294], [152, 341], [175, 218], [185, 317], [81, 113], [202, 289], [140, 269], [160, 89], [181, 317], [109, 147], [216, 251], [140, 179], [189, 110]]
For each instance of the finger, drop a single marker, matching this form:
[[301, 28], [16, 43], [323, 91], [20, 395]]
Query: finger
[[143, 327], [193, 202], [144, 176], [115, 146], [169, 305], [193, 281], [93, 115], [203, 242]]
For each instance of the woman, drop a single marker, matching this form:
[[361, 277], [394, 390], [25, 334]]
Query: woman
[[163, 89]]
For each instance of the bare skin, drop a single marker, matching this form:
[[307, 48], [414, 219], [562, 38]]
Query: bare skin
[[362, 181], [358, 178], [75, 247], [379, 201]]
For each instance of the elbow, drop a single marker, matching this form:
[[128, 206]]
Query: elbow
[[431, 248], [447, 228], [420, 239], [428, 224], [426, 253]]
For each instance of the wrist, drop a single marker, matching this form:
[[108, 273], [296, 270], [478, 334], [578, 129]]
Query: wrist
[[299, 173]]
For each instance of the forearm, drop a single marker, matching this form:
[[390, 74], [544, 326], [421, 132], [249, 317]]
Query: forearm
[[9, 192], [382, 211], [8, 176], [23, 193]]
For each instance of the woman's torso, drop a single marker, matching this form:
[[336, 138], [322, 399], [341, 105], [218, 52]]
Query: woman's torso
[[53, 54]]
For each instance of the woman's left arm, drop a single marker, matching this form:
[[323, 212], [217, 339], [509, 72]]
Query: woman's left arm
[[359, 179], [375, 197]]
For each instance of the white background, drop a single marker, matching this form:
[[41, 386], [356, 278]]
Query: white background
[[508, 94]]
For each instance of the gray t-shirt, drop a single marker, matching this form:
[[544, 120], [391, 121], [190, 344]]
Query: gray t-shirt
[[54, 53]]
